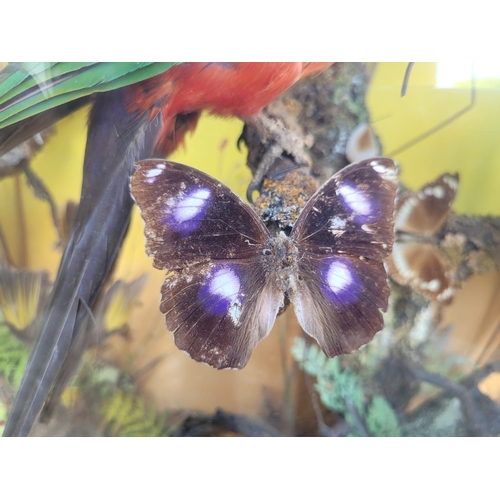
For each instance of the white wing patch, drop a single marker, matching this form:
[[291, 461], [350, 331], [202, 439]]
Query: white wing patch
[[339, 277], [225, 283], [154, 172], [337, 223], [191, 205], [436, 191], [357, 201]]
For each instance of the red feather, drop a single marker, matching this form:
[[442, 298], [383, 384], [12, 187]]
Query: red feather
[[224, 89]]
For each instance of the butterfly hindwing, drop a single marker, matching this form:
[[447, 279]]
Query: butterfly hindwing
[[343, 234], [420, 266], [220, 311], [339, 299]]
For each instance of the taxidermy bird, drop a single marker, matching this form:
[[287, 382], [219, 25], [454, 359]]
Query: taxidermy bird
[[139, 110]]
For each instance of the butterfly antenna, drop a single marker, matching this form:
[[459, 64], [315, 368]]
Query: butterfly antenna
[[442, 124], [406, 79]]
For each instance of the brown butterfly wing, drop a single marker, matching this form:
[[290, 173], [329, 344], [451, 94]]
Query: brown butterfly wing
[[424, 211], [217, 299], [420, 266], [343, 234]]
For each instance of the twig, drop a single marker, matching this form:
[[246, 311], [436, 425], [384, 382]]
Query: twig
[[360, 424], [5, 246], [468, 408], [323, 429], [471, 381], [42, 193]]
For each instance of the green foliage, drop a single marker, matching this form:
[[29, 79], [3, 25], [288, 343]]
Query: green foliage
[[381, 418], [126, 415], [3, 416], [343, 391], [116, 409], [13, 357], [120, 410]]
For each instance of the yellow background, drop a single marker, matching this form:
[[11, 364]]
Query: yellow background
[[467, 146]]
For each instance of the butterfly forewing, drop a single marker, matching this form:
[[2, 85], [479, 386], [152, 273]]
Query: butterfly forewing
[[191, 217], [352, 213], [423, 212], [342, 236]]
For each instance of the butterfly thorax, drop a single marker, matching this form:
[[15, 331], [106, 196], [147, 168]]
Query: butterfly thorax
[[280, 261]]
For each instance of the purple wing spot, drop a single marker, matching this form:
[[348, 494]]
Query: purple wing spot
[[185, 214], [340, 281], [220, 294]]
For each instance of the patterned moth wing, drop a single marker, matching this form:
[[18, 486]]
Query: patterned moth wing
[[217, 299], [228, 277], [415, 261], [423, 212], [420, 266], [342, 236]]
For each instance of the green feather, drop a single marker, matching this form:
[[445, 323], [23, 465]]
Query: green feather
[[27, 89]]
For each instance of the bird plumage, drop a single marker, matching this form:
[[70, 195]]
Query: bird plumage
[[146, 119]]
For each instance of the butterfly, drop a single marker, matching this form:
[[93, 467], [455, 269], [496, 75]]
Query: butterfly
[[415, 260], [228, 277]]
